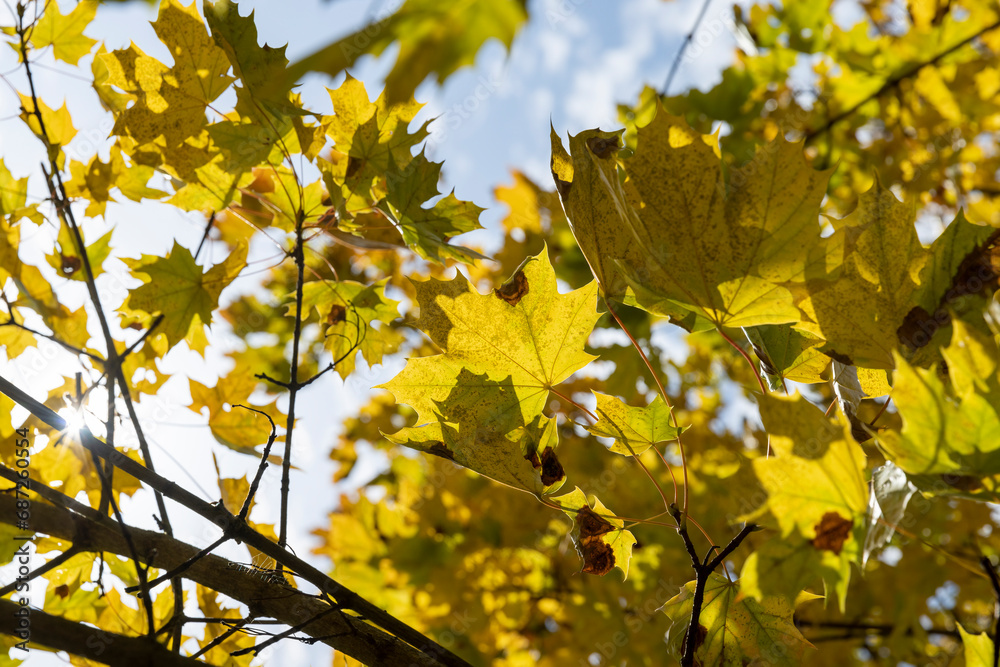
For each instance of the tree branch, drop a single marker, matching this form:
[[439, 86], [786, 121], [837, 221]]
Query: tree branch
[[358, 639], [895, 81], [221, 517], [89, 642], [703, 568]]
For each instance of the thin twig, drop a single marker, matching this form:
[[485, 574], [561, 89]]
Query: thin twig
[[204, 237], [232, 630], [743, 353], [293, 379], [42, 569], [287, 633], [895, 80], [687, 41], [245, 510]]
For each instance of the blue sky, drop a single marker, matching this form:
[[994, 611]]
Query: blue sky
[[574, 62]]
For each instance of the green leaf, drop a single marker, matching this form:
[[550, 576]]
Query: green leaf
[[346, 310], [503, 351], [434, 37], [786, 567], [178, 288], [956, 439], [787, 353], [373, 136], [428, 230], [634, 429], [256, 66], [735, 629]]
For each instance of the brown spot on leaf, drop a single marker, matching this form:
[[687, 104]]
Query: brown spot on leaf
[[603, 147], [70, 265], [831, 532], [136, 326], [919, 326], [598, 557], [962, 482], [514, 289], [337, 315], [591, 524], [439, 449], [353, 166], [552, 470], [62, 590]]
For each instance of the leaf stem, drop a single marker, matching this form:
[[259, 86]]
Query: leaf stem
[[663, 394], [743, 353]]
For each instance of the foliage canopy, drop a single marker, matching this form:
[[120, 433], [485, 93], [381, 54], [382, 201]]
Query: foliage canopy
[[826, 253]]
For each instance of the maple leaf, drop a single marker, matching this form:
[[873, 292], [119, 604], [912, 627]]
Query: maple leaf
[[786, 567], [600, 537], [13, 191], [788, 354], [178, 288], [634, 429], [943, 439], [735, 629], [813, 470], [67, 260], [707, 249], [979, 651], [434, 37], [256, 66], [169, 101], [859, 312], [347, 310], [588, 185], [59, 130], [237, 428], [372, 135], [503, 352], [64, 32], [428, 230]]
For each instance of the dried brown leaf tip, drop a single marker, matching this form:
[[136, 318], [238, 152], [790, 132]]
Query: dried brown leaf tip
[[831, 532], [514, 289]]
